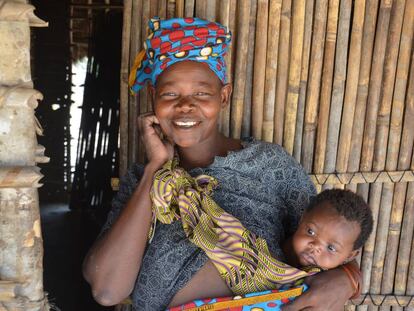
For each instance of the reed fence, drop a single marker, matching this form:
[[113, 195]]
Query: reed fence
[[333, 82]]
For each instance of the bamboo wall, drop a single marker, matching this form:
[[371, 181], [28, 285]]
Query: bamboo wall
[[333, 82]]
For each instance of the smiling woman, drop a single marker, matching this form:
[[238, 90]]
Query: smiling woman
[[258, 183]]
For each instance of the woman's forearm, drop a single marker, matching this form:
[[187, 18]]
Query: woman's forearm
[[112, 265]]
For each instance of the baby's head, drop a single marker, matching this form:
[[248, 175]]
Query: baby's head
[[333, 229]]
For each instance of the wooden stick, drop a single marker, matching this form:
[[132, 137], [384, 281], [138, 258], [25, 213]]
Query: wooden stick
[[298, 24], [124, 91], [282, 71], [338, 85], [240, 69], [354, 60], [364, 76], [189, 8], [224, 19], [211, 10], [248, 89], [409, 225], [179, 8], [271, 69], [387, 88], [326, 88], [297, 147], [407, 139], [369, 247], [259, 72], [135, 46], [201, 8], [315, 74], [393, 245], [162, 8], [171, 8], [375, 86]]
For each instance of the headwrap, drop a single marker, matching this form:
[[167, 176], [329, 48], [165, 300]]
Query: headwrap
[[176, 40], [242, 258]]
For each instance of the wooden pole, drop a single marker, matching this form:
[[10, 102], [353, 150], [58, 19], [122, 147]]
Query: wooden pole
[[354, 60], [327, 75], [298, 24], [124, 92], [375, 86], [297, 147], [282, 71], [240, 69], [189, 8], [271, 69], [406, 149], [338, 85], [364, 76], [259, 73], [315, 74], [248, 89], [179, 8]]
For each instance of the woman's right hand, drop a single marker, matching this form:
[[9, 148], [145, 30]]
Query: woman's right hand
[[158, 150]]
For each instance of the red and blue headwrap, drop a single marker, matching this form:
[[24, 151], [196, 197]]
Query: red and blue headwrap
[[176, 40]]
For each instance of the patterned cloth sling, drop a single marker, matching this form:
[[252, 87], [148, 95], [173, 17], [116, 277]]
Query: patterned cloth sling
[[242, 259]]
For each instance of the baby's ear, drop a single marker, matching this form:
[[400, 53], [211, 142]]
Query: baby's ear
[[353, 255]]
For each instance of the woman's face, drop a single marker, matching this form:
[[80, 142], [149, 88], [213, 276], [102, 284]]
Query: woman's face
[[324, 238], [188, 98]]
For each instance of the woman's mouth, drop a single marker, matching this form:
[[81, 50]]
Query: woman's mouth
[[185, 124]]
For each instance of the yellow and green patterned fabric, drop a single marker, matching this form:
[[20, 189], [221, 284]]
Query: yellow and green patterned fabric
[[242, 259]]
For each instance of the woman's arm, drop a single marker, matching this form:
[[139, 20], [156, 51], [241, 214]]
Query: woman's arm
[[113, 263]]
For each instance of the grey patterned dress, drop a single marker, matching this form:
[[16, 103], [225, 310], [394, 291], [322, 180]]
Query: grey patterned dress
[[261, 185]]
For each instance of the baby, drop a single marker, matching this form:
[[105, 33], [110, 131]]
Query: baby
[[331, 232]]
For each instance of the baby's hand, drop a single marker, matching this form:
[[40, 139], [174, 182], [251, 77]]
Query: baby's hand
[[158, 151]]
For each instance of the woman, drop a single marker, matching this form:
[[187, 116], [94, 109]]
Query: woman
[[259, 183]]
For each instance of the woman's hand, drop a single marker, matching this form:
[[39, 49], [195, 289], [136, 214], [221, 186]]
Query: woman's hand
[[158, 151], [328, 291]]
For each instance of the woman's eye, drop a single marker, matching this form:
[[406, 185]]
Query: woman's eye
[[311, 232], [201, 94], [169, 94], [331, 248]]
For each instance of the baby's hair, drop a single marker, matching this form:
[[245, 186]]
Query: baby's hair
[[351, 206]]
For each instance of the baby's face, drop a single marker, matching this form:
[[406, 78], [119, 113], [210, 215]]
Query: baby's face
[[324, 238]]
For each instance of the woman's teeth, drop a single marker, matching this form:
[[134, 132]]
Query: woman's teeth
[[185, 123]]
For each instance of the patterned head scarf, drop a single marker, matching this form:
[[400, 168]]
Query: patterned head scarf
[[179, 39]]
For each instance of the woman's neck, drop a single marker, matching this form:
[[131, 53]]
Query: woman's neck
[[203, 154]]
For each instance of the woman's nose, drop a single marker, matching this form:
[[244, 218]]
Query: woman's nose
[[186, 103]]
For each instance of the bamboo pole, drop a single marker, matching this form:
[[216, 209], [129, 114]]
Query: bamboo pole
[[354, 60], [393, 149], [338, 85], [124, 91], [297, 148], [298, 24], [153, 5], [240, 69], [406, 149], [387, 87], [224, 19], [410, 279], [135, 46], [201, 8], [364, 76], [315, 74], [179, 8], [259, 72], [282, 71], [162, 9], [326, 88], [211, 10], [171, 8], [379, 155], [248, 89], [271, 69], [189, 8], [369, 247], [375, 85]]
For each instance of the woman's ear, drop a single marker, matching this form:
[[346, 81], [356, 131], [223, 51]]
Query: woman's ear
[[225, 94]]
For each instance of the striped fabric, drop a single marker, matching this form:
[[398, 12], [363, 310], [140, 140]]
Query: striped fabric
[[242, 259]]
